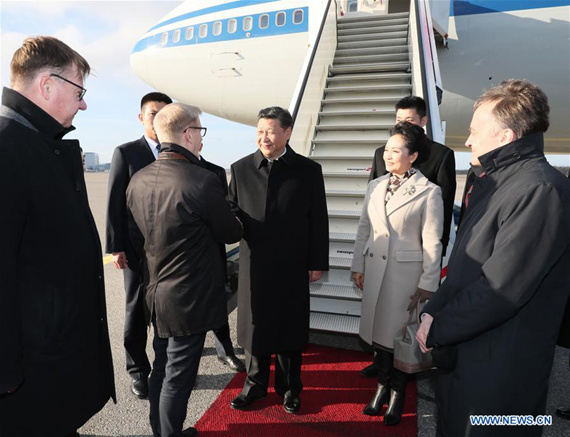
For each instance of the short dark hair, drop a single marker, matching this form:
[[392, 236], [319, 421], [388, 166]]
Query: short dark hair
[[519, 105], [415, 140], [276, 112], [43, 52], [413, 102], [155, 97]]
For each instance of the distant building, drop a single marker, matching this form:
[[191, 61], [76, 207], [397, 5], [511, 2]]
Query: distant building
[[91, 161]]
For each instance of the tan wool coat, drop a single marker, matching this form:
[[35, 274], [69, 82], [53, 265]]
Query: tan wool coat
[[398, 249]]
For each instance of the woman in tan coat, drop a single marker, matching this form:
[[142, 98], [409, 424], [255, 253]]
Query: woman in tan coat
[[397, 256]]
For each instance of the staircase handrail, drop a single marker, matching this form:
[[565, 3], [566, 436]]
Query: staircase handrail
[[307, 70], [432, 87]]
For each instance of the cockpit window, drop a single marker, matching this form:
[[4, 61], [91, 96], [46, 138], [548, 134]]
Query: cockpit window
[[280, 19], [263, 21], [232, 25], [247, 23], [298, 16]]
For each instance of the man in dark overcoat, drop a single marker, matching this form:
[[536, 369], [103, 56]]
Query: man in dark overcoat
[[282, 205], [127, 159], [439, 168], [56, 370], [494, 322], [222, 340], [178, 217]]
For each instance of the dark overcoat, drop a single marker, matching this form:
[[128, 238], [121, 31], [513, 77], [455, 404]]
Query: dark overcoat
[[439, 169], [505, 293], [53, 325], [285, 220], [178, 217]]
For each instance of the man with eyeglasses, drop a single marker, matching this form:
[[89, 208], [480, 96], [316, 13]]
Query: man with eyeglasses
[[56, 370], [178, 217], [127, 159]]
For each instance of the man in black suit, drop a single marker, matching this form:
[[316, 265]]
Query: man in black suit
[[280, 199], [439, 169], [223, 342], [178, 217], [127, 160]]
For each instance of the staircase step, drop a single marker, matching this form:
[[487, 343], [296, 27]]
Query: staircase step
[[371, 59], [362, 51], [372, 36], [344, 193], [384, 42], [335, 291], [372, 17], [372, 29], [334, 323], [352, 127], [336, 262], [371, 68], [354, 174], [389, 78], [341, 89], [343, 24], [343, 213], [371, 112], [344, 238], [370, 100]]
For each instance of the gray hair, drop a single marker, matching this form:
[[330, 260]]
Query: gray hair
[[171, 121]]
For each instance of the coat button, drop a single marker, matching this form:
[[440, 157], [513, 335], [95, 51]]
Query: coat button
[[387, 235], [371, 255], [383, 256], [56, 151]]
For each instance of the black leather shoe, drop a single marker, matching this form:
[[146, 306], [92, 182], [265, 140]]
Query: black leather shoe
[[291, 403], [243, 401], [233, 363], [190, 432], [370, 371], [380, 398], [563, 413], [393, 414], [139, 387]]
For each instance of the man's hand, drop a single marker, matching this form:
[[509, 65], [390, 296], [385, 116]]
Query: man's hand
[[421, 296], [120, 260], [315, 275], [423, 332], [358, 279]]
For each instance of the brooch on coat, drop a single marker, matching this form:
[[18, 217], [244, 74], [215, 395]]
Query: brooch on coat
[[411, 190]]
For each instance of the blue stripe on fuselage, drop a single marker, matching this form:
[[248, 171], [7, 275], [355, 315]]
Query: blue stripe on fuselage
[[473, 7], [272, 29], [211, 10]]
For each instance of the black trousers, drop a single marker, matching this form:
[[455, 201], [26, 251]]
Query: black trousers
[[223, 342], [287, 373], [135, 333], [174, 371]]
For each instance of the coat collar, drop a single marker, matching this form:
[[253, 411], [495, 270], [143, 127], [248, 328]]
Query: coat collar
[[408, 191], [41, 120], [288, 158], [171, 147], [526, 147]]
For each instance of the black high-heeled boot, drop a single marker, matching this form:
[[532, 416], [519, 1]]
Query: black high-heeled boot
[[384, 361], [380, 398], [393, 414]]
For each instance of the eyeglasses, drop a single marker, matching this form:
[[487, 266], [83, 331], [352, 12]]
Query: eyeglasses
[[83, 90], [203, 130]]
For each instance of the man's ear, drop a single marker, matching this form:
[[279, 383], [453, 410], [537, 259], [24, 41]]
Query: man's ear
[[507, 136], [423, 121], [141, 117], [44, 84]]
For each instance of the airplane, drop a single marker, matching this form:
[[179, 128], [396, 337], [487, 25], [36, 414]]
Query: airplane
[[340, 66]]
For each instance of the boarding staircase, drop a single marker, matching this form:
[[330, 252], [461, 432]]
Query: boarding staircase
[[370, 73]]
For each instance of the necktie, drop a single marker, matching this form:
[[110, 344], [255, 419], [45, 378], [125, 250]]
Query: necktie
[[158, 148]]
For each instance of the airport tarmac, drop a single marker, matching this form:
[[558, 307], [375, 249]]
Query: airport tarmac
[[129, 417]]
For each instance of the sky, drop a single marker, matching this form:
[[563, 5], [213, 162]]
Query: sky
[[104, 33]]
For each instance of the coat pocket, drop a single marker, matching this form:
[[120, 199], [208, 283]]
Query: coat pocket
[[409, 256]]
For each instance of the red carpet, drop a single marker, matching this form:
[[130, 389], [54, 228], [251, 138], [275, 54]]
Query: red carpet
[[333, 397]]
